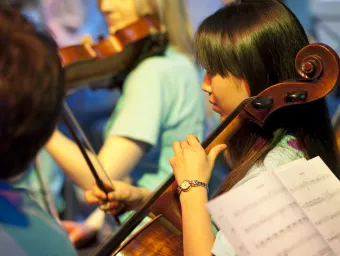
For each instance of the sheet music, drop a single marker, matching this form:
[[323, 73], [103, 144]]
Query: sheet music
[[266, 219], [317, 191]]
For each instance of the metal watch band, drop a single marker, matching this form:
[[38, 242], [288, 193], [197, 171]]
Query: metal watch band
[[192, 183]]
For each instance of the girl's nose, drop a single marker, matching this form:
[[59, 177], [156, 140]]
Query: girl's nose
[[206, 85]]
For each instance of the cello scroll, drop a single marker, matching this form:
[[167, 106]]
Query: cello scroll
[[318, 65]]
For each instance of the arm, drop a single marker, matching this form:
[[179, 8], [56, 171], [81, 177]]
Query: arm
[[118, 156], [190, 162], [135, 127], [198, 236]]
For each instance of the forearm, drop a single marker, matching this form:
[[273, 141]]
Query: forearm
[[118, 157], [198, 236], [69, 157]]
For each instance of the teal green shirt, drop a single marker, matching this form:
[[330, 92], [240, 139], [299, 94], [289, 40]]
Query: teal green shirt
[[161, 102], [26, 229], [53, 177]]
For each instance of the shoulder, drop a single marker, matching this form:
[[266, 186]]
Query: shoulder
[[287, 150], [171, 61], [40, 225]]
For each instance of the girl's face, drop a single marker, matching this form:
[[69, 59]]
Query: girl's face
[[118, 13], [225, 93]]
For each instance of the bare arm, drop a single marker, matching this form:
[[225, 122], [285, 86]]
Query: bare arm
[[198, 236], [190, 162], [118, 156]]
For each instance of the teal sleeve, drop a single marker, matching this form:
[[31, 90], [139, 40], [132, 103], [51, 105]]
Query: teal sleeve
[[222, 247], [139, 110]]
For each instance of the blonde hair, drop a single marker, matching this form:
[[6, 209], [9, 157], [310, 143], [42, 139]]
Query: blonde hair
[[174, 18]]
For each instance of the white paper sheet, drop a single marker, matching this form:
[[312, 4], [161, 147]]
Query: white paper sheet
[[262, 218], [317, 191]]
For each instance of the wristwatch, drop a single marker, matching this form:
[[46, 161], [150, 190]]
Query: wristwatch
[[187, 184]]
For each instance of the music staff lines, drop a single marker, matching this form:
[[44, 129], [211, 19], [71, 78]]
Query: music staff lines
[[309, 182], [258, 202], [302, 241], [321, 199], [282, 231], [269, 217], [328, 218]]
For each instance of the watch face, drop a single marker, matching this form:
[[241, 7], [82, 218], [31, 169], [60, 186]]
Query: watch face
[[185, 185]]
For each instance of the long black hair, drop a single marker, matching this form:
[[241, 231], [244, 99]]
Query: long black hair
[[257, 40]]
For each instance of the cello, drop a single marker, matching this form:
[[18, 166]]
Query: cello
[[318, 66]]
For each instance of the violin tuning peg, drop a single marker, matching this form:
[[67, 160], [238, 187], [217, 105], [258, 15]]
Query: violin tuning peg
[[296, 96], [262, 103]]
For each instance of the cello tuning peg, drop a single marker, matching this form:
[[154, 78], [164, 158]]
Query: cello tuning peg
[[262, 103], [296, 96], [100, 37], [87, 40]]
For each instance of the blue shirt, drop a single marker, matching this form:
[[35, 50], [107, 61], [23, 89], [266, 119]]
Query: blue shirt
[[161, 102], [26, 229]]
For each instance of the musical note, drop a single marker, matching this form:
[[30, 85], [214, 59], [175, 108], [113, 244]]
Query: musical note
[[263, 216], [316, 189]]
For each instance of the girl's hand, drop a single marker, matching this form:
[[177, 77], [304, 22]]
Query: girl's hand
[[121, 196], [190, 162]]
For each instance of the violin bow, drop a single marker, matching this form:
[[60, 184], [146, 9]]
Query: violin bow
[[70, 120]]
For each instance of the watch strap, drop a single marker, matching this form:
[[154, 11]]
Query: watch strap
[[193, 183]]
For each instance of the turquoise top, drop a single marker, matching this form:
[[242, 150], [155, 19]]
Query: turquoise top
[[53, 177], [161, 102], [286, 151], [26, 229]]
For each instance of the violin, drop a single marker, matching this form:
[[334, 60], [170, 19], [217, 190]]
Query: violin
[[317, 64], [114, 56]]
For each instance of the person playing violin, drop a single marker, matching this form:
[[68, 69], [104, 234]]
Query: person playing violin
[[245, 47], [31, 95], [161, 101]]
